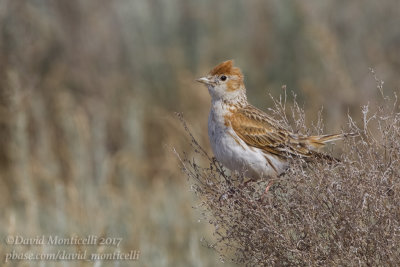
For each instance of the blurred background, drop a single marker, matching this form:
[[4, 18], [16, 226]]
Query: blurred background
[[88, 91]]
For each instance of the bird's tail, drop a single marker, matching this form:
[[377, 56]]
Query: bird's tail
[[318, 141]]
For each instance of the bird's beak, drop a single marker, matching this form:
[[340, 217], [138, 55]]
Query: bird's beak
[[204, 80]]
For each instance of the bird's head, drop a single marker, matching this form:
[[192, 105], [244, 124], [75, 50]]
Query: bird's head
[[225, 82]]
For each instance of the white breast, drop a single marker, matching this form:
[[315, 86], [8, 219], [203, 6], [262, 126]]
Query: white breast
[[234, 153]]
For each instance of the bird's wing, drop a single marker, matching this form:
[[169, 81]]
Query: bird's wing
[[258, 130]]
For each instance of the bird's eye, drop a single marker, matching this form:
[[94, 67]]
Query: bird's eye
[[223, 78]]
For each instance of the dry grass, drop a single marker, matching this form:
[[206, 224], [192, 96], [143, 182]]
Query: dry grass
[[342, 214]]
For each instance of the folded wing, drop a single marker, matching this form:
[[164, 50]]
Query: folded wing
[[258, 130]]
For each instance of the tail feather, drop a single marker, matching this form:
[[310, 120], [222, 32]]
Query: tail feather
[[318, 141]]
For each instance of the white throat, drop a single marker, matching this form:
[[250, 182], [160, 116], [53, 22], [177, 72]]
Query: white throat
[[237, 97]]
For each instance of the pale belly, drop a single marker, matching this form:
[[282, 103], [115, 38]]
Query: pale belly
[[236, 155]]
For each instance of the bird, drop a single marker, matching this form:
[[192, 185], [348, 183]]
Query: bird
[[247, 140]]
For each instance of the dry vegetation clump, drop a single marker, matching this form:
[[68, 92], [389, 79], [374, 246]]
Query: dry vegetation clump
[[342, 214]]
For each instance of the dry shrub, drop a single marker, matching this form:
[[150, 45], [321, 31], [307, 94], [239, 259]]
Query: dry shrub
[[317, 213]]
